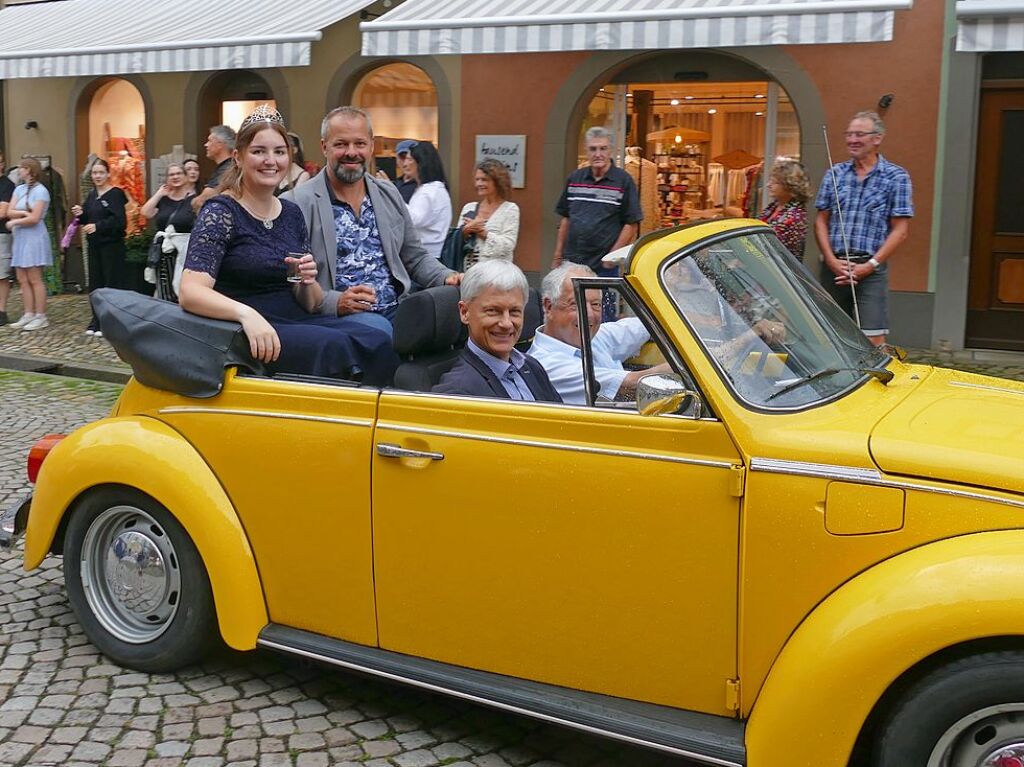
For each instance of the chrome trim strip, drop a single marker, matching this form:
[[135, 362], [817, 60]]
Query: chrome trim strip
[[553, 446], [804, 469], [265, 414], [870, 477], [560, 405], [493, 703], [964, 385]]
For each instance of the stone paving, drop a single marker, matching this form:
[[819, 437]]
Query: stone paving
[[61, 703], [64, 339]]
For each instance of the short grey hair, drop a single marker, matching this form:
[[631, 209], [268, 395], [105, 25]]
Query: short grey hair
[[876, 121], [554, 281], [598, 132], [225, 134], [347, 112], [493, 273]]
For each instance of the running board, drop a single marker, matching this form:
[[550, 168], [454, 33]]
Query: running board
[[705, 738]]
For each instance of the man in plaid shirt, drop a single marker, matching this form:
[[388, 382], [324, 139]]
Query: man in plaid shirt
[[875, 197]]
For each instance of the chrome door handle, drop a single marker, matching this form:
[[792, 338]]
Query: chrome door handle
[[386, 450]]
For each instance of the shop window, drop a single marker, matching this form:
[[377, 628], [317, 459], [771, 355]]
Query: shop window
[[402, 102], [115, 118], [695, 149]]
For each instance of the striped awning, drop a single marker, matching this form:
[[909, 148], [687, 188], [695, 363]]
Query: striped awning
[[990, 25], [113, 37], [519, 26]]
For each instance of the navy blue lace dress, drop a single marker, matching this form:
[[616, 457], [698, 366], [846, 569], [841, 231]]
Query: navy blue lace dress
[[246, 261]]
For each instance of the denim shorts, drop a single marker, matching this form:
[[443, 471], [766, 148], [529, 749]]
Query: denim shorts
[[872, 299]]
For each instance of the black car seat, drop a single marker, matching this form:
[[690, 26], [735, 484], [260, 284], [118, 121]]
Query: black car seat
[[429, 335]]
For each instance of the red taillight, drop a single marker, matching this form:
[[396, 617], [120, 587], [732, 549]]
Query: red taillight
[[38, 454], [1010, 761]]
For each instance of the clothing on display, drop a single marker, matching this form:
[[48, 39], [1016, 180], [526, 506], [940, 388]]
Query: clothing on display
[[752, 196], [716, 184], [645, 176]]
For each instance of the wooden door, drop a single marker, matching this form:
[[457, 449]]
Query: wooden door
[[995, 309]]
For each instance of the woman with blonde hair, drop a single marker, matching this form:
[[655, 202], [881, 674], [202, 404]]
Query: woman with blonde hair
[[30, 251], [790, 189], [248, 261], [491, 225]]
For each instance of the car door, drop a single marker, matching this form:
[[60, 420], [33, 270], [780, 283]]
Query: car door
[[294, 457], [577, 546]]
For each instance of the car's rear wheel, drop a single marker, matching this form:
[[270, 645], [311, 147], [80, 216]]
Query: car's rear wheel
[[136, 582], [966, 714]]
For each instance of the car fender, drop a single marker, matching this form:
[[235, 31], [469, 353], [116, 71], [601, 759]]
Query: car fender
[[849, 650], [150, 456]]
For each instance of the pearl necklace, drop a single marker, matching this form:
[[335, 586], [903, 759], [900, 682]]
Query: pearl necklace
[[267, 221]]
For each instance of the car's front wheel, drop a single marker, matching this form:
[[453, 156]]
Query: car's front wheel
[[136, 582], [967, 714]]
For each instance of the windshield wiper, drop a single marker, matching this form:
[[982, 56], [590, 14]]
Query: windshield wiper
[[882, 375]]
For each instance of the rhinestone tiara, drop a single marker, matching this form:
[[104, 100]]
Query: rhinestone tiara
[[264, 113]]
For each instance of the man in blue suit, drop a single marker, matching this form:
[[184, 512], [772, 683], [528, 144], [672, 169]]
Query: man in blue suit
[[493, 298]]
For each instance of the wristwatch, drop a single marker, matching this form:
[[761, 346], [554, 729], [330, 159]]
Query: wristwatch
[[875, 263]]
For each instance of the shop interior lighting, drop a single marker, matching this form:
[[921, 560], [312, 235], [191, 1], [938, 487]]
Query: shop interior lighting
[[758, 114], [758, 95], [674, 102], [712, 111]]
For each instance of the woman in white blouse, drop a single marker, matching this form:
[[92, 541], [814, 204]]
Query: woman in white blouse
[[493, 221], [430, 205]]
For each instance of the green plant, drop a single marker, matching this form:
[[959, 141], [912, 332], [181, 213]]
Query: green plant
[[136, 247]]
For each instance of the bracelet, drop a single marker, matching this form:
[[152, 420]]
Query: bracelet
[[875, 263]]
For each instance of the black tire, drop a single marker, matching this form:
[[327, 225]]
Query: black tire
[[965, 712], [155, 612]]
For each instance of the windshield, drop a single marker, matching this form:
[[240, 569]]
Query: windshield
[[775, 335]]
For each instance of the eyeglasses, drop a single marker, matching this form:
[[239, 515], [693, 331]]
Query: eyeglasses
[[860, 133]]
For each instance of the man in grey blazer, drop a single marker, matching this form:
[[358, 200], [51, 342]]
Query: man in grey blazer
[[361, 236]]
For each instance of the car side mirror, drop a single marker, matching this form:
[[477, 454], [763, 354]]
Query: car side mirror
[[666, 393]]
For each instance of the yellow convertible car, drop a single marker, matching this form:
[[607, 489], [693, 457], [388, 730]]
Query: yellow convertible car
[[788, 548]]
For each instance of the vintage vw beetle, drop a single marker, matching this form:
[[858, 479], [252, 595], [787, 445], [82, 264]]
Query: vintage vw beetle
[[793, 550]]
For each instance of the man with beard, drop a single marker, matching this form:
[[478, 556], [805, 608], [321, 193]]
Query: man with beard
[[367, 252]]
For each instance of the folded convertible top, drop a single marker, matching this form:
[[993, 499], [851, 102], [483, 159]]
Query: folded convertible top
[[167, 347]]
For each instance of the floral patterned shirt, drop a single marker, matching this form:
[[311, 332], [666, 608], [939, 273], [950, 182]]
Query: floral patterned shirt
[[790, 224], [361, 253]]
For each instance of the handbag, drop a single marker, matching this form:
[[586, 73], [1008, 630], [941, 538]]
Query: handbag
[[155, 252], [456, 245], [69, 233]]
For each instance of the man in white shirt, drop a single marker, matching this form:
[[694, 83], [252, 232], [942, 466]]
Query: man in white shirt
[[557, 343]]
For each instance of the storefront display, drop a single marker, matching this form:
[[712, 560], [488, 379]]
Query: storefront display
[[706, 143]]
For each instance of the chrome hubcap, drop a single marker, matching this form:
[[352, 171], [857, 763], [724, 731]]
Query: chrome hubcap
[[130, 574], [992, 737]]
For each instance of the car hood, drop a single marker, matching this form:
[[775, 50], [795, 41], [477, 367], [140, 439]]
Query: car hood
[[956, 427]]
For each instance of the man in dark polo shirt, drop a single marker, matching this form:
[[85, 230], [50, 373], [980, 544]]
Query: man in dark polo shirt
[[219, 146], [600, 210]]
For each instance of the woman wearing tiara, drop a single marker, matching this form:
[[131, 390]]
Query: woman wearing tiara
[[238, 263]]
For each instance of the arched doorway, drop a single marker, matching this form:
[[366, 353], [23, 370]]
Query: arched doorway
[[111, 124], [700, 126], [401, 99], [226, 99]]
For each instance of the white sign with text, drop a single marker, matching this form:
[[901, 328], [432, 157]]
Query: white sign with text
[[510, 150]]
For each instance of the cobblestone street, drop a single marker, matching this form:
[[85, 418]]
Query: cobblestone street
[[61, 703]]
